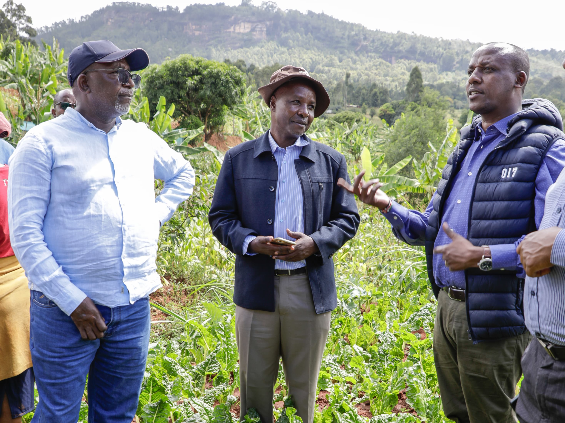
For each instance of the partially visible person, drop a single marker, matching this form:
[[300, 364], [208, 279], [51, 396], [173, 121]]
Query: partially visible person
[[5, 127], [84, 223], [542, 394], [492, 194], [62, 100], [16, 372]]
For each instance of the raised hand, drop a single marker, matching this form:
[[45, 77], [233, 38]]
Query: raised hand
[[460, 254], [88, 320], [535, 251], [368, 192], [304, 247]]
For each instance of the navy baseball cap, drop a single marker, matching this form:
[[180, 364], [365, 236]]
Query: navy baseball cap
[[103, 51]]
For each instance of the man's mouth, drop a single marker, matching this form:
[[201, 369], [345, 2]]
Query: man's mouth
[[474, 93]]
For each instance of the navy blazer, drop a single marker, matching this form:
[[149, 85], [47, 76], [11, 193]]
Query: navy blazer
[[244, 204]]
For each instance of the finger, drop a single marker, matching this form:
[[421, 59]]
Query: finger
[[345, 185], [90, 333], [101, 324], [542, 272], [449, 232], [440, 250], [82, 333], [356, 182], [519, 249], [295, 235], [373, 191]]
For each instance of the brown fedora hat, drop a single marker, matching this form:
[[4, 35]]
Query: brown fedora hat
[[291, 73]]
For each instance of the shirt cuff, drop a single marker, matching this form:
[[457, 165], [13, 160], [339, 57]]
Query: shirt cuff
[[397, 215], [246, 243], [504, 256], [163, 212], [558, 250]]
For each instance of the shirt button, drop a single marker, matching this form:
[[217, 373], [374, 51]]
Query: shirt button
[[470, 173], [280, 220], [558, 210], [395, 217], [458, 201], [269, 221], [533, 293], [271, 188]]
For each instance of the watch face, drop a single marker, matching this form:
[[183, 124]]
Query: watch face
[[485, 265]]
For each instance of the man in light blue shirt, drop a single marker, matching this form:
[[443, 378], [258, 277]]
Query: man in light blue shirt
[[84, 224]]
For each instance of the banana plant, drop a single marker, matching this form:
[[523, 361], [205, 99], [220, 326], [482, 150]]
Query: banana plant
[[36, 75]]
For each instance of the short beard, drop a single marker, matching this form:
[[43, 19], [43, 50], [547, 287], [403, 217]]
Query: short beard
[[120, 107]]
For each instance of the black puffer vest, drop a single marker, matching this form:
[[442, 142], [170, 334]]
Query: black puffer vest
[[502, 211]]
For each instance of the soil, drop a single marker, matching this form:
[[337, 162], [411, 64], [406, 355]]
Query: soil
[[402, 406], [224, 142]]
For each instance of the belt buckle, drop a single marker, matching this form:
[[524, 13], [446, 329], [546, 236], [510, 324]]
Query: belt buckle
[[453, 288], [547, 347]]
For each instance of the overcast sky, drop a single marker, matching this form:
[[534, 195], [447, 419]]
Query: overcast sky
[[522, 22]]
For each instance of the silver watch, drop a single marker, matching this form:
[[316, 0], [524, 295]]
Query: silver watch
[[486, 262]]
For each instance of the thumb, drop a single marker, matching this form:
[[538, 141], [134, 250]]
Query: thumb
[[295, 235], [450, 232]]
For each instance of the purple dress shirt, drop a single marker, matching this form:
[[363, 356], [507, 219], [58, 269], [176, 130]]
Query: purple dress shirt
[[410, 225]]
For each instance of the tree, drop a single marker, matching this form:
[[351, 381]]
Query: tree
[[202, 90], [15, 23], [415, 85]]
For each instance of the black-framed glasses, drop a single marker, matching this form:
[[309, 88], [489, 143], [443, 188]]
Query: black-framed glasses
[[123, 75], [65, 104]]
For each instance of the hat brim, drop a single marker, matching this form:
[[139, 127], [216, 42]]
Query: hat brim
[[322, 96], [137, 58]]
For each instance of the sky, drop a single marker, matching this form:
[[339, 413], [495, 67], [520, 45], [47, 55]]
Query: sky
[[520, 22]]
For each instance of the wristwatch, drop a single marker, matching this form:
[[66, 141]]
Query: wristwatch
[[486, 262]]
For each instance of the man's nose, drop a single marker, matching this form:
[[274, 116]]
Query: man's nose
[[303, 110], [129, 84], [474, 77]]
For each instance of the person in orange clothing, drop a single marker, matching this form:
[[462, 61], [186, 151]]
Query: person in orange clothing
[[16, 371]]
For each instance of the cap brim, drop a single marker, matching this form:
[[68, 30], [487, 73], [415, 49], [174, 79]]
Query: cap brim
[[322, 96], [137, 58]]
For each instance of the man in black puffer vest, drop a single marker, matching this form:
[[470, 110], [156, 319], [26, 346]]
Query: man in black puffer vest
[[491, 195]]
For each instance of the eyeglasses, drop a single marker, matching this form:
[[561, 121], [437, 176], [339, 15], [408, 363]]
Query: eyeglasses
[[123, 75], [65, 104]]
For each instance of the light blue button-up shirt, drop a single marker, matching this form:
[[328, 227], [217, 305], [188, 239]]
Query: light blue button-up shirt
[[289, 206], [83, 216]]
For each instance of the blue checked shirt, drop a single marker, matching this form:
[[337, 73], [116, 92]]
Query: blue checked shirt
[[289, 206], [544, 297], [83, 216], [410, 225]]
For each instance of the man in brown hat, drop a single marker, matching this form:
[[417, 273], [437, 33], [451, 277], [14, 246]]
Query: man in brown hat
[[278, 207]]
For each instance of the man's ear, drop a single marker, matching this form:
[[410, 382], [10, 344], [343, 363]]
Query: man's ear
[[82, 83], [53, 112], [521, 80], [272, 103]]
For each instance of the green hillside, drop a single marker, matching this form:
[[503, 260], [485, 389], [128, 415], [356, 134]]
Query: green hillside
[[265, 35]]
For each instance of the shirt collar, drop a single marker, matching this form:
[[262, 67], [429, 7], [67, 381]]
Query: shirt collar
[[75, 115], [501, 126], [300, 142]]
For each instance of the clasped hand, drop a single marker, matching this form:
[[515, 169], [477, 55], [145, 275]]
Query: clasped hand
[[535, 251], [304, 247]]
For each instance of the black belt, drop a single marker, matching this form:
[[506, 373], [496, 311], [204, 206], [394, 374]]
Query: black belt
[[285, 272], [557, 352], [455, 293]]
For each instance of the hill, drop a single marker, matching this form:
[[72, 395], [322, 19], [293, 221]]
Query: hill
[[264, 35]]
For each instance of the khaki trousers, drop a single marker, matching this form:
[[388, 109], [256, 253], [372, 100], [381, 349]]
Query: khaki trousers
[[476, 381], [294, 332]]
